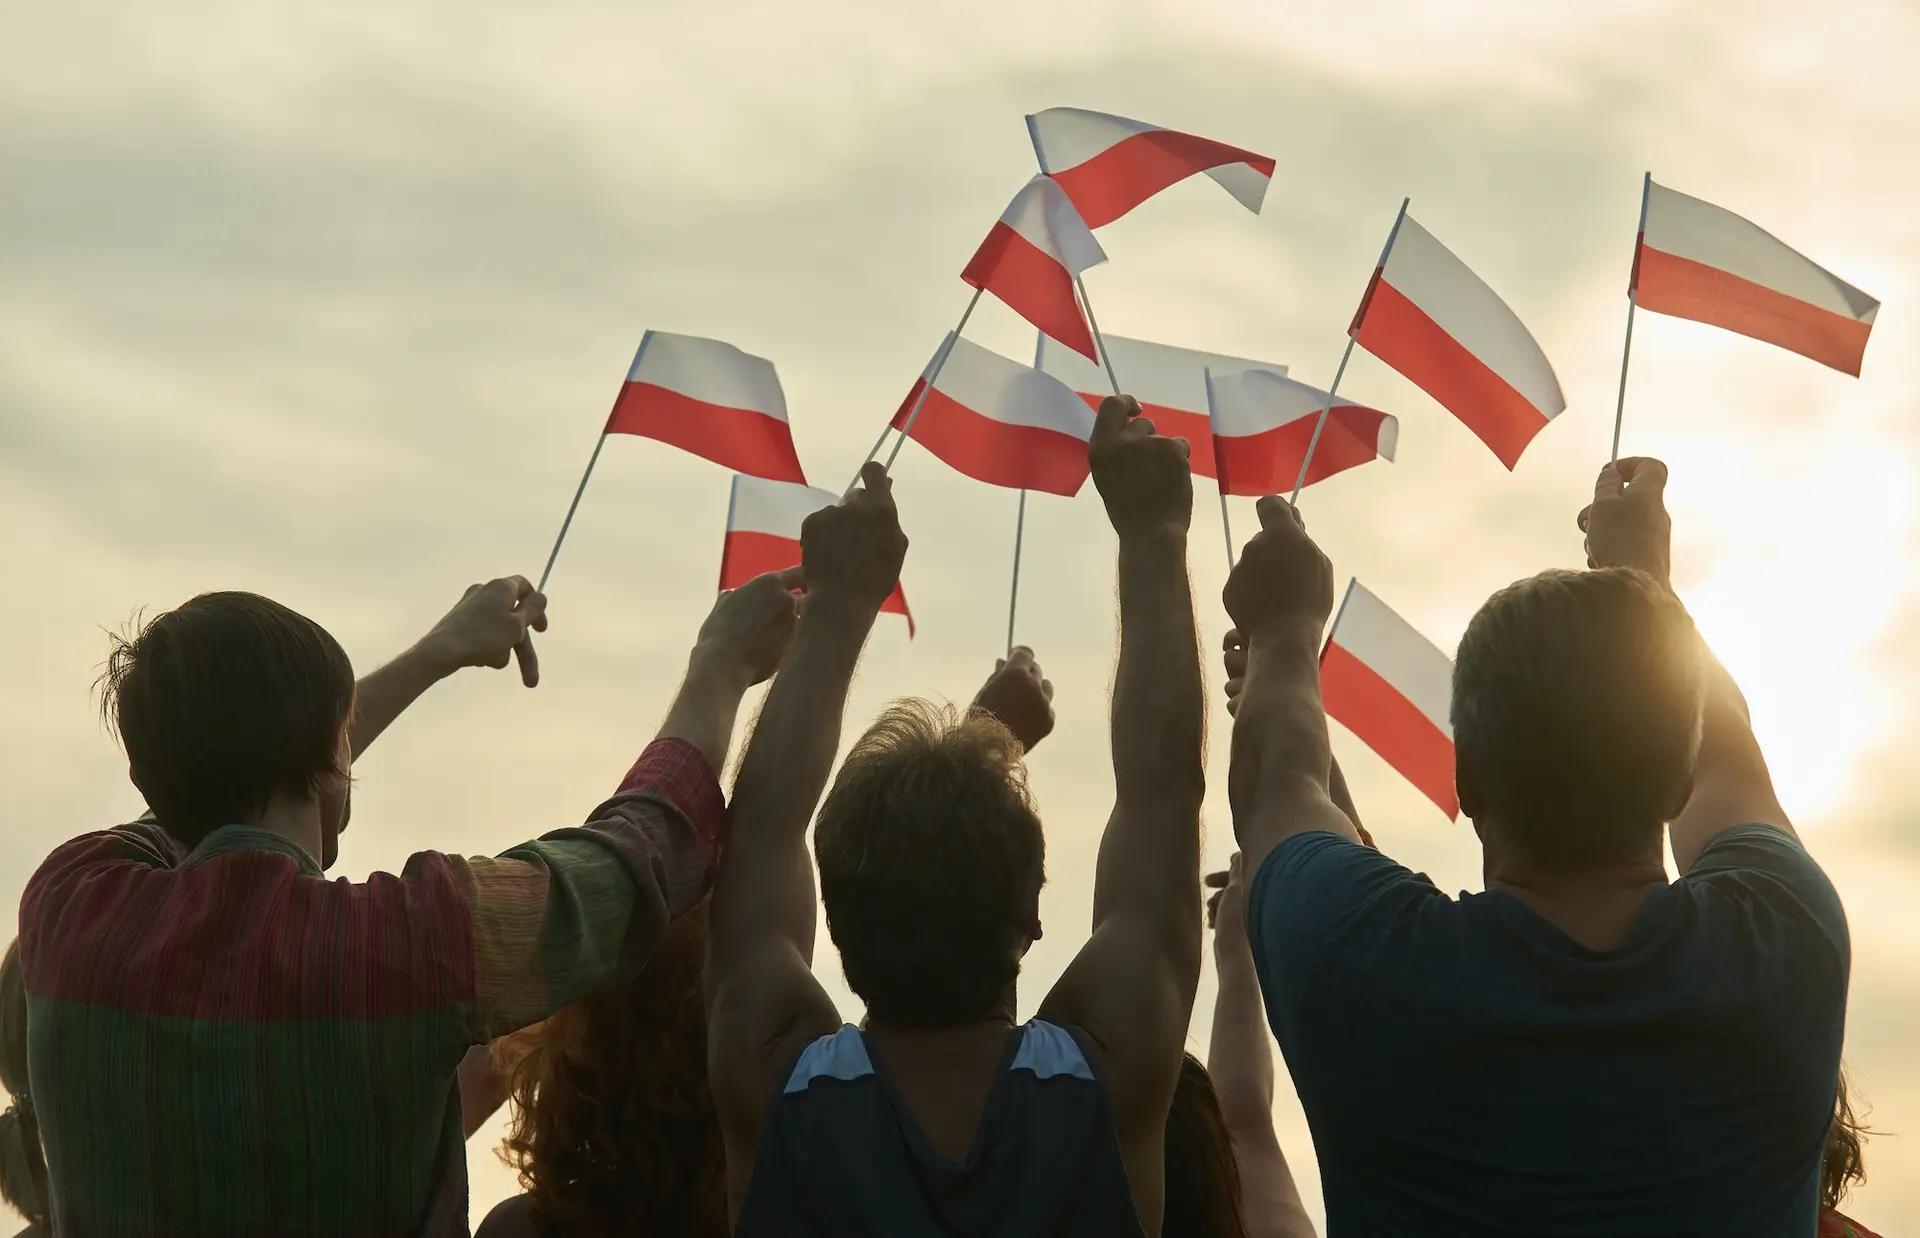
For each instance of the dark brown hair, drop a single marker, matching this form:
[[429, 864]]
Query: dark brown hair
[[23, 1164], [931, 857], [1842, 1165], [614, 1130], [1203, 1175], [221, 703]]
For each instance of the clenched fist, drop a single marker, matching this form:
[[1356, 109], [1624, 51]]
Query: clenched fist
[[1627, 523], [852, 551], [1020, 696], [1282, 582], [1143, 477]]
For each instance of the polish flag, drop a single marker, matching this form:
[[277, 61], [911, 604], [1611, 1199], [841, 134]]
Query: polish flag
[[1263, 424], [1169, 382], [1108, 164], [1392, 688], [999, 421], [1429, 316], [710, 399], [1031, 258], [763, 533], [1696, 260]]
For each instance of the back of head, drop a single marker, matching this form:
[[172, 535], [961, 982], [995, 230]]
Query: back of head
[[1203, 1176], [223, 702], [1576, 715], [614, 1128], [23, 1166], [931, 861]]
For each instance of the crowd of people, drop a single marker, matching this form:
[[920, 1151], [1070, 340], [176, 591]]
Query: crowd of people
[[203, 1035]]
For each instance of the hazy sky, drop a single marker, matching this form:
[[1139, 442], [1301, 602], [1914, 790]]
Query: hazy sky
[[328, 302]]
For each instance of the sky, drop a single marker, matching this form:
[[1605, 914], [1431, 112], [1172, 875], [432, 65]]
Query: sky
[[328, 302]]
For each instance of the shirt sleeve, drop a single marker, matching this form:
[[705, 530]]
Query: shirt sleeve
[[1321, 899], [1781, 900], [582, 908]]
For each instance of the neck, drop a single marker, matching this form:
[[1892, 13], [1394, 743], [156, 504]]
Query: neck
[[1595, 905], [296, 819]]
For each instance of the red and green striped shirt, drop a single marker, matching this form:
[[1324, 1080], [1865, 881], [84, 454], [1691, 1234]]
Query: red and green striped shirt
[[227, 1042]]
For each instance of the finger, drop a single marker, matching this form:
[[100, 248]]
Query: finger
[[1186, 448], [791, 580], [1609, 484], [1046, 689], [471, 590], [1644, 474], [529, 661], [1233, 640], [874, 475], [1113, 414], [1235, 870], [1218, 881], [1235, 662], [1213, 912], [1585, 516], [532, 610], [999, 664], [518, 588], [1272, 509], [1020, 656]]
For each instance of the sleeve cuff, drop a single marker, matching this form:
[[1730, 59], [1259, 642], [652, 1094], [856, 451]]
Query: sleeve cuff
[[677, 771]]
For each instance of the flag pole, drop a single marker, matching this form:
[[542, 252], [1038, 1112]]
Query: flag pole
[[1219, 467], [1013, 594], [591, 461], [933, 376], [1633, 301], [1353, 335], [1099, 342]]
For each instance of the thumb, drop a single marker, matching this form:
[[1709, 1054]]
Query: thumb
[[1273, 510], [1114, 413]]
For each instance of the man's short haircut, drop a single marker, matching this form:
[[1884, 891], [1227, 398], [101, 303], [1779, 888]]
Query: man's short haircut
[[1576, 713], [931, 856], [223, 702]]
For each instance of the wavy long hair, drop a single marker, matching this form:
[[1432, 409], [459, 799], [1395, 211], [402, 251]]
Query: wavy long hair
[[23, 1166], [614, 1130], [1842, 1166], [1203, 1174]]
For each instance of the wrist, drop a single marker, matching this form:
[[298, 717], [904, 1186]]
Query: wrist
[[1286, 636], [432, 657], [839, 607], [718, 669], [1165, 536]]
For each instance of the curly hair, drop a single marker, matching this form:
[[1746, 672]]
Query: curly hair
[[1842, 1165], [614, 1129]]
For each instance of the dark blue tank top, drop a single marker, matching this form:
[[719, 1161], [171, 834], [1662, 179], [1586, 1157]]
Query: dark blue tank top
[[840, 1155]]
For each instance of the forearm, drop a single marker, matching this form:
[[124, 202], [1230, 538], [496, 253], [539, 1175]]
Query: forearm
[[386, 693], [708, 703], [1159, 701], [1282, 766], [1732, 784], [1238, 1054]]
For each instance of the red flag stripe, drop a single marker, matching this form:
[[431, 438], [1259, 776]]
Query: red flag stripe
[[741, 439], [1401, 334], [1135, 168], [1269, 462], [999, 453], [746, 555], [1033, 284], [1669, 284], [1390, 724]]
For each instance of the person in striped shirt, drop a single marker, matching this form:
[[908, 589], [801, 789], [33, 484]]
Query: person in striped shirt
[[220, 1039]]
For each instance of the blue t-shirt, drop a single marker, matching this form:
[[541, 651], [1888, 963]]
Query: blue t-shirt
[[1469, 1069]]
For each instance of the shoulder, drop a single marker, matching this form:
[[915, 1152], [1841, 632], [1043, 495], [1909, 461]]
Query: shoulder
[[1763, 870], [515, 1217], [1323, 876]]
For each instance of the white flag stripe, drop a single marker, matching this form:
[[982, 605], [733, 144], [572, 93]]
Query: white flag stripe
[[777, 508], [1041, 213], [1460, 303], [1394, 650], [1255, 401], [1247, 184], [708, 371], [1006, 391], [1151, 373], [1711, 235], [1069, 136]]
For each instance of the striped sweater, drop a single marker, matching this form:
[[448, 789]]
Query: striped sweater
[[227, 1042]]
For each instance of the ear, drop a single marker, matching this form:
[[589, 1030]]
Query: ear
[[1467, 787], [1680, 800]]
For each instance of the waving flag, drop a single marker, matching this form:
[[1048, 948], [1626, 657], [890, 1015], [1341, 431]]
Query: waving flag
[[1031, 258], [1108, 164], [1429, 316], [1699, 261], [763, 533], [1392, 688], [1263, 422], [999, 421], [711, 399], [1169, 382]]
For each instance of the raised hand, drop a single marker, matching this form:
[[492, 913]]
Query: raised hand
[[1627, 523], [1143, 477], [1282, 583], [853, 551], [1227, 907], [1020, 696], [489, 625], [752, 625]]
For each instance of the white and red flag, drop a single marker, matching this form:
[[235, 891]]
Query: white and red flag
[[1169, 382], [1263, 424], [763, 533], [1697, 260], [1108, 164], [999, 421], [711, 399], [1430, 317], [1032, 257], [1393, 688]]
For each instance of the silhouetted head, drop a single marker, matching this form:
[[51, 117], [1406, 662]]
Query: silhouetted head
[[225, 702], [931, 861], [1576, 716]]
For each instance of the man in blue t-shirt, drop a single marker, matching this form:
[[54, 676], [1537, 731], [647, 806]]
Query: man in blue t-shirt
[[1585, 1048]]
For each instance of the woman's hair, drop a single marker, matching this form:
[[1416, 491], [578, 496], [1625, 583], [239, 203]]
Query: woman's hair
[[614, 1130], [1842, 1166], [23, 1166], [1203, 1176]]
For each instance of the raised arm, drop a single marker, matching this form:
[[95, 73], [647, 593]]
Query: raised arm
[[1280, 781], [763, 1002], [1240, 1060], [1627, 526], [490, 625], [1131, 987], [1236, 666]]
